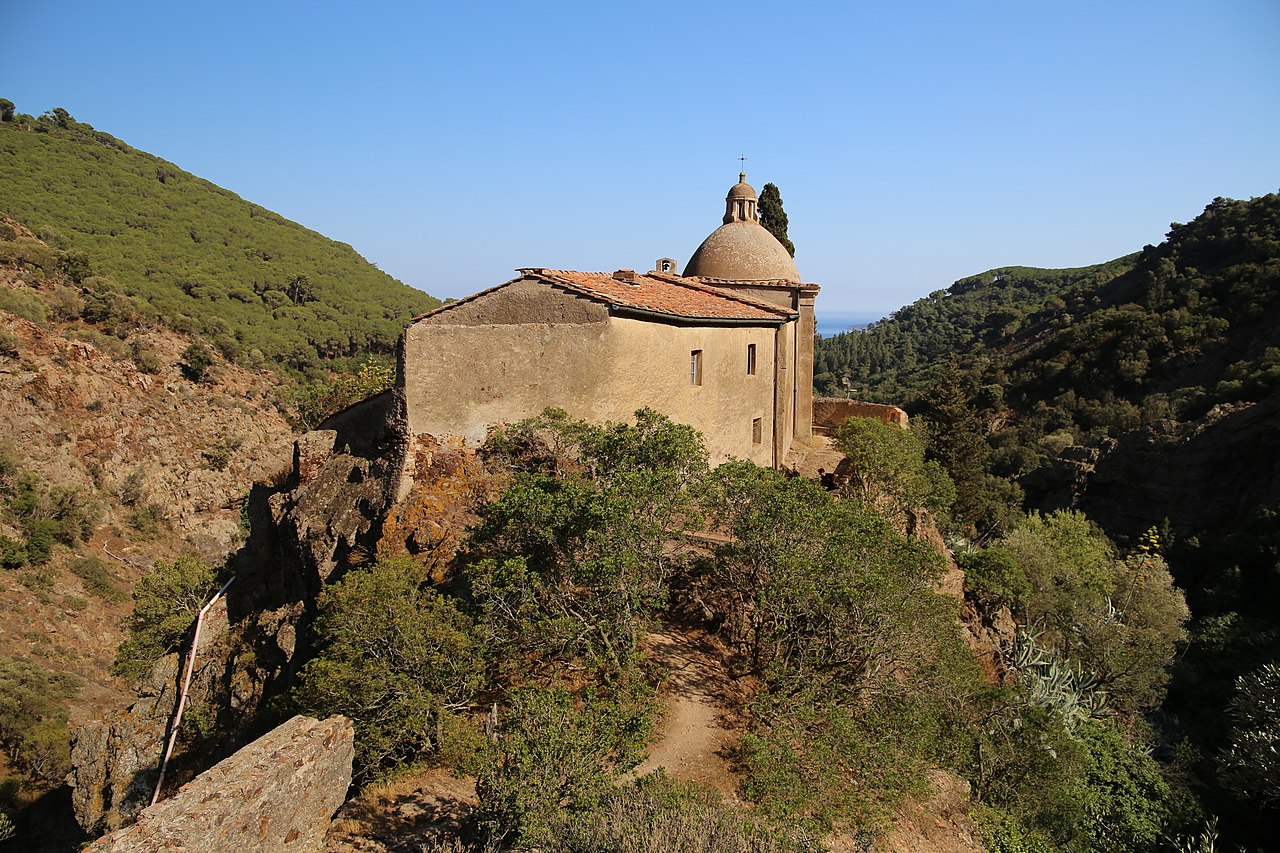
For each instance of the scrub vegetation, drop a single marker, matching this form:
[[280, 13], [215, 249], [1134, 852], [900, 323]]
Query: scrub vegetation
[[860, 681]]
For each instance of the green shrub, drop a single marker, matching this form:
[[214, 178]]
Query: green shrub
[[399, 659], [311, 404], [1250, 767], [995, 577], [196, 362], [42, 533], [218, 456], [556, 751], [96, 578], [888, 466], [108, 344], [660, 815], [9, 343], [147, 520], [33, 720], [1001, 832], [822, 762], [13, 554], [64, 303], [25, 303], [131, 491], [39, 579], [165, 603], [144, 356], [74, 264]]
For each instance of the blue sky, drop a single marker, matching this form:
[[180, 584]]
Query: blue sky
[[914, 143]]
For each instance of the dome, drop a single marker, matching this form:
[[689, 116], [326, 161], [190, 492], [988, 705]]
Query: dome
[[742, 250]]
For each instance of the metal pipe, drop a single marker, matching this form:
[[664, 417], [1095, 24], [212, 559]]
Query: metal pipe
[[186, 685]]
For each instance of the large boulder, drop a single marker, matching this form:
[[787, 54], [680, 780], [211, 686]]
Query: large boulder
[[278, 793]]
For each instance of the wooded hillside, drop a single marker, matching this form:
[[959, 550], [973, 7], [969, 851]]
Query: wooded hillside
[[259, 287], [1144, 392]]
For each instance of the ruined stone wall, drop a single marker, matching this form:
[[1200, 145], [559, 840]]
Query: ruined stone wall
[[459, 379], [368, 427], [830, 412]]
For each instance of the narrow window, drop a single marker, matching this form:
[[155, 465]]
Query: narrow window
[[751, 359], [757, 430], [695, 367]]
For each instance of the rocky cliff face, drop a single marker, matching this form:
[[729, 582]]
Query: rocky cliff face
[[253, 643], [1199, 475], [166, 462], [163, 461]]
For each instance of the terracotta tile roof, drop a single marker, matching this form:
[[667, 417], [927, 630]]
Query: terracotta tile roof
[[651, 293], [661, 293], [778, 282]]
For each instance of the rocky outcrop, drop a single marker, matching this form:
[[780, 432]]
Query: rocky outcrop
[[278, 793], [988, 633], [115, 763], [253, 642], [1201, 475], [1198, 475]]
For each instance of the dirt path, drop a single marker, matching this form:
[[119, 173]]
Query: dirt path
[[695, 739]]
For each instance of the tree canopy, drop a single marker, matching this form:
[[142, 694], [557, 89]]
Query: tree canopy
[[773, 217]]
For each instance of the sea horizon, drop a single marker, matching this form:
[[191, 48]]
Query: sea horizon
[[830, 323]]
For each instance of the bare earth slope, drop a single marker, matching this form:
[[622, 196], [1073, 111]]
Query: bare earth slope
[[164, 462]]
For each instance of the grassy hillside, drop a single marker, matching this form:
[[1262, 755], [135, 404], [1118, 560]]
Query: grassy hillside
[[200, 258]]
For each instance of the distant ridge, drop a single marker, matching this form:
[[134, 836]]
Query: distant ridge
[[263, 289]]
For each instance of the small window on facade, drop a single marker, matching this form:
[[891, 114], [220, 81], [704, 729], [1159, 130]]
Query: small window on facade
[[757, 430], [751, 359], [695, 367]]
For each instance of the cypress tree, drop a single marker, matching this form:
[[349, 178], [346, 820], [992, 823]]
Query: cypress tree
[[955, 440], [773, 217]]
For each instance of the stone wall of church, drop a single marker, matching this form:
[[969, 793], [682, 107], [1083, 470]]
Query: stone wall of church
[[526, 301], [458, 380]]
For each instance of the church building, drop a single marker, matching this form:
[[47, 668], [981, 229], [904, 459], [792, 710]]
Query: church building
[[726, 346]]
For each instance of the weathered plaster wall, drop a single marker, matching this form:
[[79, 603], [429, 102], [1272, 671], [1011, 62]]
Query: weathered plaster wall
[[784, 388], [805, 329], [458, 380], [367, 427], [799, 376], [830, 412]]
